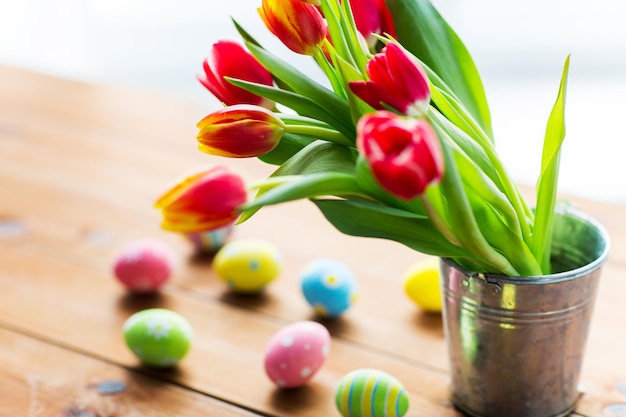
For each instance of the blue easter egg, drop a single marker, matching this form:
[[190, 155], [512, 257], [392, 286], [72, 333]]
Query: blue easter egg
[[328, 286]]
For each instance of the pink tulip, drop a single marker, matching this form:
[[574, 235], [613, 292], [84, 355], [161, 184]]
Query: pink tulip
[[240, 131], [299, 25], [397, 80], [204, 201], [230, 59], [404, 154]]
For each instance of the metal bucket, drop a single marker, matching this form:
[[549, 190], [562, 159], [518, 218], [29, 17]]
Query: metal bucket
[[516, 343]]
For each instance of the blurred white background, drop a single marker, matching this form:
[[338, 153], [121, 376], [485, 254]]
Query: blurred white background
[[519, 48]]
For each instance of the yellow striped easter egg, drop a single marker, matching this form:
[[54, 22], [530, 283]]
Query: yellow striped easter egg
[[371, 393]]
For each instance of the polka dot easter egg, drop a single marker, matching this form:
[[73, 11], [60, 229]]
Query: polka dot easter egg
[[296, 352], [371, 393], [421, 285], [247, 265], [328, 286], [144, 265], [158, 337]]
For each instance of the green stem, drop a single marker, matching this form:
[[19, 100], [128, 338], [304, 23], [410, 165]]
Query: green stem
[[463, 221], [319, 133], [332, 12], [330, 73], [438, 221], [509, 188]]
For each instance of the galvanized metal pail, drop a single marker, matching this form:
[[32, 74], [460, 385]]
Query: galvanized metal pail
[[516, 343]]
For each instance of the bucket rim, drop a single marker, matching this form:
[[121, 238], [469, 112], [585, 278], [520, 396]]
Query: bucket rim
[[550, 278]]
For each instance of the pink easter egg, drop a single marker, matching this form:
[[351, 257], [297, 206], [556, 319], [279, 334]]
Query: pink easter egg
[[296, 352], [144, 266]]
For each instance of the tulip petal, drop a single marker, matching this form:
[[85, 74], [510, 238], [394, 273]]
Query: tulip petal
[[240, 131], [230, 59], [396, 80], [203, 201], [405, 155], [299, 25]]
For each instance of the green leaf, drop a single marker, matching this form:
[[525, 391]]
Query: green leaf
[[299, 103], [496, 218], [289, 145], [447, 130], [332, 13], [306, 87], [317, 157], [244, 34], [348, 73], [369, 219], [308, 186], [462, 220], [547, 183], [424, 32], [457, 114]]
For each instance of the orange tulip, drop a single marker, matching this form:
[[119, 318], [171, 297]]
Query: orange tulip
[[240, 131], [299, 25], [204, 201], [230, 59]]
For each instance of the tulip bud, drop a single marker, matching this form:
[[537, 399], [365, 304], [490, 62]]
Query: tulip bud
[[404, 154], [204, 201], [230, 59], [386, 20], [397, 80], [367, 19], [240, 131], [298, 24]]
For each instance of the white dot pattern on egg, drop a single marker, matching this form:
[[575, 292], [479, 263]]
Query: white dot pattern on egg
[[158, 337], [296, 352]]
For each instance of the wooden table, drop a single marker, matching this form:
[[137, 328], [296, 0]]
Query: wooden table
[[80, 168]]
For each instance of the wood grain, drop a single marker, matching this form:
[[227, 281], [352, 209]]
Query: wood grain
[[39, 379], [80, 167]]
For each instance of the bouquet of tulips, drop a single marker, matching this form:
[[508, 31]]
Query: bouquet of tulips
[[397, 145]]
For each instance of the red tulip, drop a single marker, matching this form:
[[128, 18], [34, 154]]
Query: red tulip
[[386, 20], [299, 25], [367, 19], [397, 80], [240, 131], [371, 18], [230, 59], [204, 201], [404, 154]]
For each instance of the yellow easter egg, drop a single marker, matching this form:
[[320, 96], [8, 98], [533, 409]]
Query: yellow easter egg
[[421, 285], [247, 265]]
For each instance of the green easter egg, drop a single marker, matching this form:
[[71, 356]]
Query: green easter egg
[[371, 393], [247, 265], [158, 337]]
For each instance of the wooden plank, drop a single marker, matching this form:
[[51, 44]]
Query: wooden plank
[[40, 379], [67, 305], [81, 181]]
